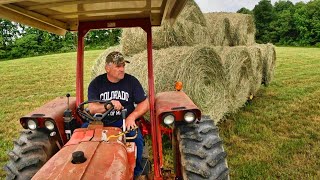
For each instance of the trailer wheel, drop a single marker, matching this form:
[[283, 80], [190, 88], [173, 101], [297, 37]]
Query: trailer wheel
[[30, 152], [201, 152]]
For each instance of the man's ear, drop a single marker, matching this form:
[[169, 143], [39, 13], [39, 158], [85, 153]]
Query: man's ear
[[106, 67]]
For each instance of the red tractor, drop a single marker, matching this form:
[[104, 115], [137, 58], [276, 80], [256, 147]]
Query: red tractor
[[52, 146]]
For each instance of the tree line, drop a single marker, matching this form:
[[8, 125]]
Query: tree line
[[285, 23], [18, 41]]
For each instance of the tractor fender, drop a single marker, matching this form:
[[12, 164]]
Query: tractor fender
[[176, 102], [104, 159], [53, 111]]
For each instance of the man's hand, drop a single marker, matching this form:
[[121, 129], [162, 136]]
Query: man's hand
[[117, 105], [130, 122], [141, 109]]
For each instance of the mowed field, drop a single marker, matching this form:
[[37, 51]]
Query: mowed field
[[276, 136]]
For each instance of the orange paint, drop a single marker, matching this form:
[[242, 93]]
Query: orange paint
[[178, 86]]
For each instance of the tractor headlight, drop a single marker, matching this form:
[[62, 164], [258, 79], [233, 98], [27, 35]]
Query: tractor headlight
[[168, 119], [49, 125], [189, 117], [32, 124]]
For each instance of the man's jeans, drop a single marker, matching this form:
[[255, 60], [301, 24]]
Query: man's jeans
[[139, 143]]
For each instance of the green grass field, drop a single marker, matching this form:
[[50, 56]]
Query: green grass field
[[276, 136]]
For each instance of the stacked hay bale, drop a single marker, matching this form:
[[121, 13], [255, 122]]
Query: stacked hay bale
[[214, 55], [238, 71], [230, 29], [268, 54], [189, 29], [201, 64], [256, 66]]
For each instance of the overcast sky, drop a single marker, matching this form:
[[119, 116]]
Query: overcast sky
[[230, 5]]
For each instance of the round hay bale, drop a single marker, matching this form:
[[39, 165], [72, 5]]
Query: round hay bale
[[219, 29], [256, 65], [238, 70], [231, 29], [242, 29], [189, 29], [199, 68], [268, 54], [192, 13], [133, 40]]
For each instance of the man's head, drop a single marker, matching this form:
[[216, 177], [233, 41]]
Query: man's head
[[115, 64]]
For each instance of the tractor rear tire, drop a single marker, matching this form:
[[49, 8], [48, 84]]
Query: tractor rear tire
[[201, 153], [30, 152]]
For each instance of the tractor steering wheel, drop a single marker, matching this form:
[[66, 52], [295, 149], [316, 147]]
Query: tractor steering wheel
[[86, 116]]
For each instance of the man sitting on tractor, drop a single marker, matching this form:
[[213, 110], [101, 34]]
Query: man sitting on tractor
[[124, 91]]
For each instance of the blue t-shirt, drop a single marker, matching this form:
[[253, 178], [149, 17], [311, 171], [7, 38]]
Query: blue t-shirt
[[128, 91]]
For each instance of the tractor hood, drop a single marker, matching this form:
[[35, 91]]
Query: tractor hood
[[104, 160]]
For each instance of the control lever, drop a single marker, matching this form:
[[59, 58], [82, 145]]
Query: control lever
[[68, 96], [123, 114], [68, 120]]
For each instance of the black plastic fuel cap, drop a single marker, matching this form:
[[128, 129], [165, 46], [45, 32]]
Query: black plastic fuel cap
[[78, 157]]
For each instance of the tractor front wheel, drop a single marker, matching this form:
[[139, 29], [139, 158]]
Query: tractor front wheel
[[30, 152], [201, 153]]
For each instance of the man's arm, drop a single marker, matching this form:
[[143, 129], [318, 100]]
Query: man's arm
[[140, 110], [96, 108], [99, 108]]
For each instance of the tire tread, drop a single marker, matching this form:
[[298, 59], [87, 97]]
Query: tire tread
[[30, 152], [201, 150]]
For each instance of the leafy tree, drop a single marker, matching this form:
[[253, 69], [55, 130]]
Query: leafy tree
[[103, 38], [69, 42], [282, 27], [264, 15], [302, 24], [27, 45], [8, 33], [244, 11], [283, 5], [287, 23], [44, 42], [313, 9]]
